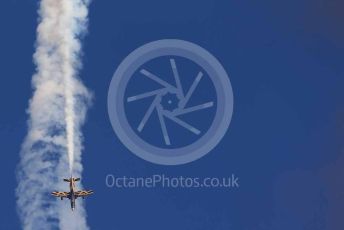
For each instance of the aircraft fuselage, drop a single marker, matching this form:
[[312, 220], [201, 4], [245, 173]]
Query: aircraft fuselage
[[71, 193]]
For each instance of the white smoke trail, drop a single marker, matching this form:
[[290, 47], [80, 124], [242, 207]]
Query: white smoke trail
[[52, 148]]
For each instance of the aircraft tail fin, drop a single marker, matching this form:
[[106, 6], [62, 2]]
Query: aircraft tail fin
[[74, 179]]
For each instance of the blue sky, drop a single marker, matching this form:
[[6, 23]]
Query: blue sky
[[284, 59]]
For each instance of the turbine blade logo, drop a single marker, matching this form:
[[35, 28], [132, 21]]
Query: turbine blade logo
[[170, 102]]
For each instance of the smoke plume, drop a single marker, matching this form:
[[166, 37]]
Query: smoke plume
[[57, 110]]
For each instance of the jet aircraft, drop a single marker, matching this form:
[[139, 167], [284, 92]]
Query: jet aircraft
[[73, 194]]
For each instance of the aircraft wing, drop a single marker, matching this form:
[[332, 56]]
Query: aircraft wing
[[60, 194], [83, 193]]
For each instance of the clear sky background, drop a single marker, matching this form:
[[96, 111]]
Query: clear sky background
[[285, 61]]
